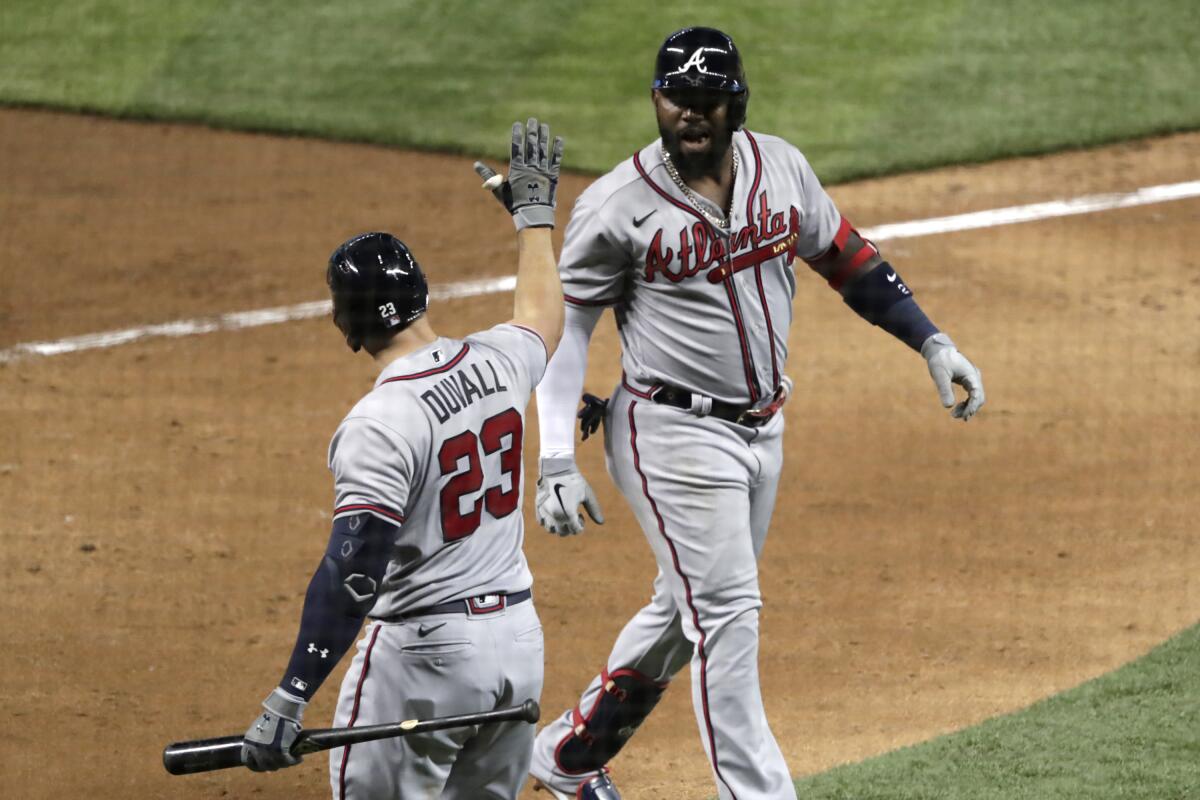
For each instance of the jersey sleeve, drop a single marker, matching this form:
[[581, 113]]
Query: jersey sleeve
[[820, 217], [373, 469], [593, 265], [522, 347]]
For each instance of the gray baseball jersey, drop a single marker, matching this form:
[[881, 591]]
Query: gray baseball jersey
[[707, 310], [436, 446], [697, 307]]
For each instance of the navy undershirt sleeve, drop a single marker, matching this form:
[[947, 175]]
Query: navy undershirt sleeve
[[908, 323], [340, 594], [881, 297]]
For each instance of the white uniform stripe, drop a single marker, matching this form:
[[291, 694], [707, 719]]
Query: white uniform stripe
[[926, 227]]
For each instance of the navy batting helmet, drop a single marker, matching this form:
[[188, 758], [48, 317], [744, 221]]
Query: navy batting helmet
[[377, 286], [703, 58]]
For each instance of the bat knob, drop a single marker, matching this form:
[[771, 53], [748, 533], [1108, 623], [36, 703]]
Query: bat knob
[[530, 711]]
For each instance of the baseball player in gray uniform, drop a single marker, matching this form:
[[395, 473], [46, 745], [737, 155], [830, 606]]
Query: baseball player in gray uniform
[[427, 521], [693, 243]]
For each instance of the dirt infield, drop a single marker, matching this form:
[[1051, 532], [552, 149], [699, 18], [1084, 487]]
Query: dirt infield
[[165, 501]]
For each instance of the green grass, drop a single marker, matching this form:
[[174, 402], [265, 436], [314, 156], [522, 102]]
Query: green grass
[[864, 88], [1133, 734]]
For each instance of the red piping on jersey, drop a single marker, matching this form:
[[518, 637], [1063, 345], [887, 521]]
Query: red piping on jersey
[[461, 354], [633, 391], [354, 711], [687, 588], [757, 176], [637, 163], [747, 357], [368, 507], [578, 301], [762, 297], [578, 718], [535, 333]]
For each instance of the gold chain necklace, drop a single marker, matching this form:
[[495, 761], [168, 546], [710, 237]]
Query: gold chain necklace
[[692, 198]]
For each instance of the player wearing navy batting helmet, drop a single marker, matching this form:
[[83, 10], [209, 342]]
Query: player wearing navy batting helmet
[[693, 242], [427, 524]]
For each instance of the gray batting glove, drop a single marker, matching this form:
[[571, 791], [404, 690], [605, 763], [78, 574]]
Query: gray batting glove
[[531, 190], [947, 366], [268, 742], [561, 489]]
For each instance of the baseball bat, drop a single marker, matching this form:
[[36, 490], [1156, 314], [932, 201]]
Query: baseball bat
[[206, 755]]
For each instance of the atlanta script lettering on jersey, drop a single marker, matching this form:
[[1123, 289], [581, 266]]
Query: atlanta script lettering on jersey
[[452, 394], [699, 249]]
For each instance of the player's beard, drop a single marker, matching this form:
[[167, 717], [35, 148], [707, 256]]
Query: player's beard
[[694, 165]]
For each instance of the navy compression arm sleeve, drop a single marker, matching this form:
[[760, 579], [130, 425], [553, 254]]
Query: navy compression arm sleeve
[[340, 594], [881, 297]]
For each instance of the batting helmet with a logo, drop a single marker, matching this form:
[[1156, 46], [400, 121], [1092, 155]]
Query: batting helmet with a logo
[[377, 286], [703, 58]]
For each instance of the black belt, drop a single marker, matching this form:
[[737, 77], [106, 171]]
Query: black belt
[[682, 398], [472, 606]]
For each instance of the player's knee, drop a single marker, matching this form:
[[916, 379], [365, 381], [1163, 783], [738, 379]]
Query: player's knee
[[626, 699]]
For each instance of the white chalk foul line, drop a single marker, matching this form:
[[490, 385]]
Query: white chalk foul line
[[923, 227], [231, 322], [1035, 211]]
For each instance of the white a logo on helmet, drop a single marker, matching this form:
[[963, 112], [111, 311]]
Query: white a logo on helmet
[[696, 60]]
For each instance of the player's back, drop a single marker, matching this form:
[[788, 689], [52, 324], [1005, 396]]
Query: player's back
[[436, 448]]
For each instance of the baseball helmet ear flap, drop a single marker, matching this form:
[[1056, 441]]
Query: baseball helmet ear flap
[[737, 108], [377, 287]]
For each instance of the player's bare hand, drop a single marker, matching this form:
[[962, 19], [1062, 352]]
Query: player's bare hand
[[947, 367], [268, 741], [561, 490], [531, 189]]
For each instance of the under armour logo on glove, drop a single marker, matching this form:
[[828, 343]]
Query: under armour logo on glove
[[312, 648]]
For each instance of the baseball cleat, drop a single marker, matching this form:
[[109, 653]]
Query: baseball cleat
[[598, 787]]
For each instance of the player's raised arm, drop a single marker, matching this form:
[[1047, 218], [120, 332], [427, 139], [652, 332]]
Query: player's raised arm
[[529, 194]]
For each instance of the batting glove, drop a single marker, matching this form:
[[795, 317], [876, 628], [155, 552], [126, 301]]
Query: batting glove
[[561, 489], [947, 366], [531, 190], [268, 742]]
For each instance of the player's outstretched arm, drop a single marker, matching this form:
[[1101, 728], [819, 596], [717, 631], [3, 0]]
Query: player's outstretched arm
[[529, 194], [874, 290]]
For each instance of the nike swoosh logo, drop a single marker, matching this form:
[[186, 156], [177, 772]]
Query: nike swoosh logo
[[637, 223], [425, 630], [558, 493], [891, 278]]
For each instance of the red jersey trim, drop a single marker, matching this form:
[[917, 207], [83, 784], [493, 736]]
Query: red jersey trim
[[637, 163], [579, 301], [735, 307], [757, 176], [352, 507], [762, 297], [436, 370], [535, 333]]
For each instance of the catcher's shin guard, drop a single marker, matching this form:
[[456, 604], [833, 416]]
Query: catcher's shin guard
[[626, 698]]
